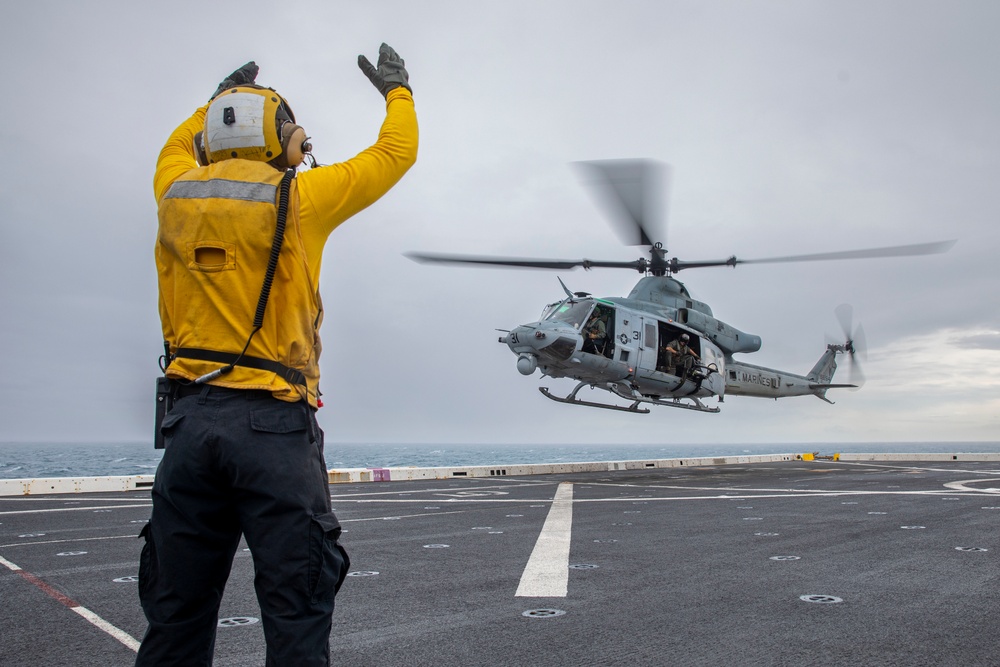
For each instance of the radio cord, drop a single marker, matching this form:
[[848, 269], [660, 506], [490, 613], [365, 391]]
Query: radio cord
[[265, 290]]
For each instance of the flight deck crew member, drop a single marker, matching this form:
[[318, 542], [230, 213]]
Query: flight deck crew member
[[244, 453]]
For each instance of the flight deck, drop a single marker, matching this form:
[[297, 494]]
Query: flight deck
[[750, 561]]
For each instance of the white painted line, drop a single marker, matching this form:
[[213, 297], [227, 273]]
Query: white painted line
[[405, 516], [79, 539], [547, 573], [10, 566], [920, 469], [75, 509], [961, 485], [125, 638]]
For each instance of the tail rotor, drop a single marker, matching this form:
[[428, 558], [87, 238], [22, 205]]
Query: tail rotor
[[855, 344]]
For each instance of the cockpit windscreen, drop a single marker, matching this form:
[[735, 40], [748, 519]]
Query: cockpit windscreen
[[574, 312]]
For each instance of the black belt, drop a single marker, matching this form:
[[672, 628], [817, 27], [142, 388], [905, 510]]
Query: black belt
[[290, 375], [192, 389]]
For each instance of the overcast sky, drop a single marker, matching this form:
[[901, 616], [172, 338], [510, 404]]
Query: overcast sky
[[790, 127]]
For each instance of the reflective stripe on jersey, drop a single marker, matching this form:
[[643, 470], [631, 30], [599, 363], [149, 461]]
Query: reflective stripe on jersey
[[220, 188]]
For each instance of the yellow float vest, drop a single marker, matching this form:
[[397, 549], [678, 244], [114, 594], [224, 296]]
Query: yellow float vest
[[216, 230]]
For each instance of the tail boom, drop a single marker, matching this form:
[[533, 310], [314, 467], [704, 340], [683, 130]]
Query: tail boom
[[750, 380]]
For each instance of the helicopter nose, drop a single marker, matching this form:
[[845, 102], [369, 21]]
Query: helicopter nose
[[541, 338], [523, 339]]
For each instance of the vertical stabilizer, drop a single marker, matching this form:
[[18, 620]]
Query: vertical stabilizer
[[822, 373]]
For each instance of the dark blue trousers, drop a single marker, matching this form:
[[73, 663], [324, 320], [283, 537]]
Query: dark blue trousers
[[240, 462]]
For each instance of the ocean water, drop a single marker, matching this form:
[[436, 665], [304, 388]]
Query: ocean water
[[28, 460]]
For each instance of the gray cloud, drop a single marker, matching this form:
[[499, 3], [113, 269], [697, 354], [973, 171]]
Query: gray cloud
[[981, 341]]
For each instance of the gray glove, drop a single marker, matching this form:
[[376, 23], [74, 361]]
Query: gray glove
[[242, 76], [391, 72]]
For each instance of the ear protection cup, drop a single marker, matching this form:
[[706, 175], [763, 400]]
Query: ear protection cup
[[294, 146]]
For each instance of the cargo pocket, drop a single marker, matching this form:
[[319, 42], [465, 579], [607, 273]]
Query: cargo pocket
[[328, 561], [168, 425], [146, 559], [279, 420]]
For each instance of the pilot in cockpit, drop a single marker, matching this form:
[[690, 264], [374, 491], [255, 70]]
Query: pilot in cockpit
[[595, 334]]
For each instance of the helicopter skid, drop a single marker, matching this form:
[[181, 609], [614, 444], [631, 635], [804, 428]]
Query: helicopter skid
[[687, 403], [682, 403], [573, 400]]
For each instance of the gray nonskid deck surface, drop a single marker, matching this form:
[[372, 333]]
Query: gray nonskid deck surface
[[688, 566]]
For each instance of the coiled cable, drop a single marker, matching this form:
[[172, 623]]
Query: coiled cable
[[272, 266]]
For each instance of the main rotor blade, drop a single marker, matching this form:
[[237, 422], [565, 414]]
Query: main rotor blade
[[678, 264], [869, 253], [675, 265], [483, 260], [633, 194]]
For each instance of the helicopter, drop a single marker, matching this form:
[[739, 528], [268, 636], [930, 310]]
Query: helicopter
[[658, 345]]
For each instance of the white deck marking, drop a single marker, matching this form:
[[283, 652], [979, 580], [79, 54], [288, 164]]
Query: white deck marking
[[547, 573], [75, 509], [98, 622], [125, 638], [402, 516], [918, 468], [78, 539], [13, 567]]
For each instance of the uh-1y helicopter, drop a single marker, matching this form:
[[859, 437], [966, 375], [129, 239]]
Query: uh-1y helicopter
[[631, 346]]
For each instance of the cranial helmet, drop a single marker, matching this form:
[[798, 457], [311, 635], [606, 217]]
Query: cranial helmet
[[251, 123]]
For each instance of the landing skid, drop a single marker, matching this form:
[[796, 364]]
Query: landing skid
[[573, 400], [686, 403]]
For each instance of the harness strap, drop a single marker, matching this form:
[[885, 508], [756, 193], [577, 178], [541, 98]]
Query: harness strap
[[290, 375]]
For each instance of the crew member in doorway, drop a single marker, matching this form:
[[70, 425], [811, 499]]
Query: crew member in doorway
[[243, 450], [595, 334], [682, 357]]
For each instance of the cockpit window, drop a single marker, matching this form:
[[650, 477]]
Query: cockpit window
[[572, 312], [548, 310]]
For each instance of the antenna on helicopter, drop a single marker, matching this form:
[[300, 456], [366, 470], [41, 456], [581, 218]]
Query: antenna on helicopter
[[566, 289]]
